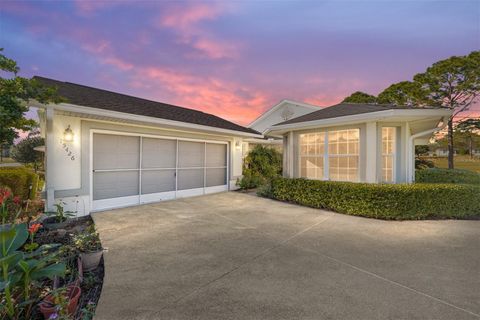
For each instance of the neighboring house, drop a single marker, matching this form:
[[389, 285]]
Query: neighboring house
[[443, 152], [107, 150], [282, 111], [357, 142], [440, 152]]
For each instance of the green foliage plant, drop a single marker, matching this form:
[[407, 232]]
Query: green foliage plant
[[260, 165], [20, 180], [382, 201], [439, 175]]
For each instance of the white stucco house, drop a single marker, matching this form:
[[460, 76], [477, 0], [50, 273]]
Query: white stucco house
[[107, 150], [357, 142]]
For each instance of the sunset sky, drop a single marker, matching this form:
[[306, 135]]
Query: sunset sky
[[237, 59]]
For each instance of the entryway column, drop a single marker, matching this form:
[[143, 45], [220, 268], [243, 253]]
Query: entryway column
[[288, 154], [49, 160], [372, 148]]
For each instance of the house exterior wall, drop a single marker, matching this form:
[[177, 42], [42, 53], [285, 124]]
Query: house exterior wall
[[279, 114], [69, 163], [370, 153]]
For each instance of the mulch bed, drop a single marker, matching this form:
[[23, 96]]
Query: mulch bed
[[92, 281]]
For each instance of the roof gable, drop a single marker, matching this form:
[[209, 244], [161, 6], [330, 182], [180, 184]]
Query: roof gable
[[284, 110]]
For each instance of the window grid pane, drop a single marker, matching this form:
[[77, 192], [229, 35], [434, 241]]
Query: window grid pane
[[312, 148], [388, 153], [343, 155], [343, 147]]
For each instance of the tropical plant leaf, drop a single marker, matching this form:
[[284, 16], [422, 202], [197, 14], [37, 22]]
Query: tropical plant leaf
[[42, 250], [26, 266], [12, 238], [10, 260], [4, 284], [50, 271]]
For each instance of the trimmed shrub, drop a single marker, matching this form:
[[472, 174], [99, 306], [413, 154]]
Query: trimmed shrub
[[260, 166], [381, 201], [436, 175], [20, 180]]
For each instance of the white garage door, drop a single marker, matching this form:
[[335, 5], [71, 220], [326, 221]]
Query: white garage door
[[129, 170]]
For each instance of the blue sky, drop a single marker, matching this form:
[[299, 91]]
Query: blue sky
[[236, 59]]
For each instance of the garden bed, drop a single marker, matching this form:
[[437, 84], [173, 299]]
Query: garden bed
[[51, 264], [92, 282]]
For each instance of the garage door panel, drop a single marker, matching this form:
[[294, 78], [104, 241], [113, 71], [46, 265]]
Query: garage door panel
[[158, 153], [216, 155], [115, 152], [190, 179], [191, 154], [216, 177], [155, 181], [129, 170], [108, 185]]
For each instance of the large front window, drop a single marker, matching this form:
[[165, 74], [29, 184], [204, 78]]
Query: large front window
[[388, 154], [312, 152], [332, 155]]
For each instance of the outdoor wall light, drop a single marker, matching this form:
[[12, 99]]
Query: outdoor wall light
[[68, 134], [237, 145]]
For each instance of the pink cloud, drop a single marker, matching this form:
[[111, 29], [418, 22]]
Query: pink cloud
[[182, 17], [186, 21], [215, 49], [212, 95], [88, 7], [118, 63]]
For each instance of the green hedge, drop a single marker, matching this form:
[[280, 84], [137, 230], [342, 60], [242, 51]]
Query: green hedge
[[382, 201], [22, 181], [437, 175]]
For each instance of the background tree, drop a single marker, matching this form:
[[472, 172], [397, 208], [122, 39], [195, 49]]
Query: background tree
[[453, 83], [404, 93], [422, 163], [422, 150], [24, 152], [15, 93], [471, 129], [360, 97]]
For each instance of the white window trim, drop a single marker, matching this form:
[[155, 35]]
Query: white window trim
[[393, 155], [326, 155]]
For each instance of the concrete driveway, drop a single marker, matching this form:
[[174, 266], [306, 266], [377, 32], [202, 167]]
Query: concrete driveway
[[237, 256]]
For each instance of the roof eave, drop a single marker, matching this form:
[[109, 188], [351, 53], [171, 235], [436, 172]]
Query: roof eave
[[363, 117], [133, 117]]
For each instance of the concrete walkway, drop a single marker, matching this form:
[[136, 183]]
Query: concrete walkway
[[237, 256]]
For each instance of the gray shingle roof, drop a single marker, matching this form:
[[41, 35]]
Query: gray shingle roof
[[341, 110], [107, 100]]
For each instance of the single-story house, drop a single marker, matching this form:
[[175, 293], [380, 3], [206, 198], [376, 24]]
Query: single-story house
[[443, 152], [357, 142], [440, 152], [106, 150]]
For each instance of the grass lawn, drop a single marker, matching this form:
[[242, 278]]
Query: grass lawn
[[461, 162], [7, 160]]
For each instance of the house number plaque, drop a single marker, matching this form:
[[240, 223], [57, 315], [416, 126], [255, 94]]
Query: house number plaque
[[67, 150]]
